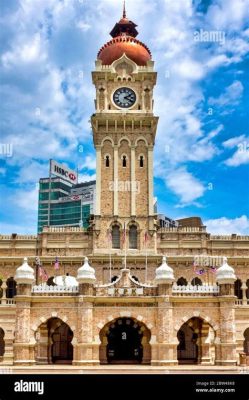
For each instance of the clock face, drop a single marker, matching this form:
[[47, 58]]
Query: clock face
[[124, 97]]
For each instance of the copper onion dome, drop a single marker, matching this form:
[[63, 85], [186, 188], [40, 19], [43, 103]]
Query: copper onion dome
[[124, 41]]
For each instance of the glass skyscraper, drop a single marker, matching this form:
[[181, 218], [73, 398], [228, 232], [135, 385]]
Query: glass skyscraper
[[68, 204]]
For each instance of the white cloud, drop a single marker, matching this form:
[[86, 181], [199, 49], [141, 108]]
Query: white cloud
[[231, 95], [89, 163], [241, 155], [234, 141], [84, 26], [27, 199], [8, 229], [226, 226], [184, 185], [32, 171], [189, 69], [86, 177], [228, 14], [29, 51]]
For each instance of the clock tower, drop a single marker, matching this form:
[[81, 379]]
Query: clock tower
[[124, 129]]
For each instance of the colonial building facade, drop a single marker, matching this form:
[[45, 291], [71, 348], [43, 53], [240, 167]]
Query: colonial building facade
[[127, 303]]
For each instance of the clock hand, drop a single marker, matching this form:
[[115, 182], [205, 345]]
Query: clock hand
[[128, 97]]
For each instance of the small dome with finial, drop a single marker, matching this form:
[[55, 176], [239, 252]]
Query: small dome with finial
[[164, 273], [24, 273], [86, 274], [124, 42], [225, 273]]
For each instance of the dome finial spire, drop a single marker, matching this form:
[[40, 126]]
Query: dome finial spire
[[124, 10]]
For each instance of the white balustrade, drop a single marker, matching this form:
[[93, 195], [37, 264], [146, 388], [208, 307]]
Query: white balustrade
[[195, 289], [45, 289], [7, 302]]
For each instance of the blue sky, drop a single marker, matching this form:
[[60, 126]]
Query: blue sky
[[201, 53]]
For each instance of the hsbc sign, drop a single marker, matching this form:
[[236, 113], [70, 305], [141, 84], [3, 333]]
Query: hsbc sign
[[63, 172]]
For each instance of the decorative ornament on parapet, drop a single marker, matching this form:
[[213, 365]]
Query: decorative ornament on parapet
[[86, 274], [225, 274], [164, 273], [24, 274]]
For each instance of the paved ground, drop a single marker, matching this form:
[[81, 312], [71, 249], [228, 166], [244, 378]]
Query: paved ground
[[123, 369]]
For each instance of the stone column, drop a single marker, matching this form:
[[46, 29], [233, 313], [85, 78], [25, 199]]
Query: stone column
[[133, 178], [23, 349], [244, 289], [85, 348], [87, 351], [24, 344], [98, 180], [164, 350], [226, 346], [115, 178], [150, 180]]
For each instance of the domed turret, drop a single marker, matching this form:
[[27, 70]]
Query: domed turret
[[164, 273], [225, 274], [124, 41], [24, 273], [86, 274]]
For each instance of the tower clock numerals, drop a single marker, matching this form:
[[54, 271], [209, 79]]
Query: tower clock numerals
[[124, 97]]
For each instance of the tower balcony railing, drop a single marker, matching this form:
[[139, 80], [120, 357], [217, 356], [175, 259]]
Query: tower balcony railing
[[197, 290], [7, 302], [47, 290], [64, 229], [242, 302], [182, 229]]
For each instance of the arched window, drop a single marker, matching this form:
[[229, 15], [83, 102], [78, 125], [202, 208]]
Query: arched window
[[124, 161], [181, 282], [237, 289], [107, 161], [141, 161], [247, 290], [196, 282], [246, 341], [114, 278], [133, 237], [115, 237], [11, 288]]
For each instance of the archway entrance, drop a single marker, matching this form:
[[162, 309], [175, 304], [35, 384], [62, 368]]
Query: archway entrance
[[54, 343], [125, 341], [246, 341], [2, 344], [196, 342]]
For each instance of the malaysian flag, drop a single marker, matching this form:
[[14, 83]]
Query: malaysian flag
[[45, 275], [109, 236], [146, 237], [56, 263]]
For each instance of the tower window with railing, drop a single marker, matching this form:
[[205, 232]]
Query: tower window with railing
[[124, 161], [115, 237], [133, 237]]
